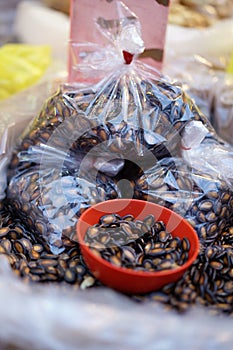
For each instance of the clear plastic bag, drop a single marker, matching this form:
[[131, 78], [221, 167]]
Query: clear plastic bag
[[133, 115]]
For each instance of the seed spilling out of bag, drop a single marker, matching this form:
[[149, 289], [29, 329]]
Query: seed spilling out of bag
[[139, 245], [31, 259]]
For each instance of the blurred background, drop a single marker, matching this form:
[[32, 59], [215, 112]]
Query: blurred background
[[36, 22], [7, 17], [191, 24]]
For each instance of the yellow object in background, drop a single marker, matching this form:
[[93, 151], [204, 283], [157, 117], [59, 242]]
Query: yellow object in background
[[21, 66], [230, 65]]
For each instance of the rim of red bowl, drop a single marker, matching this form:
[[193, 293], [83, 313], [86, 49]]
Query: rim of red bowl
[[195, 245]]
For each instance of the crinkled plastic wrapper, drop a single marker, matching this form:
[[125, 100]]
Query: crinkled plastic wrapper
[[120, 137], [91, 144]]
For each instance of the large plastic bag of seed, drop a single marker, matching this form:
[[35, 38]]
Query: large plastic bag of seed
[[90, 142]]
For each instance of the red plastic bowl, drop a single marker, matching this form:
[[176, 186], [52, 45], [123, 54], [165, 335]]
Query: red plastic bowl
[[127, 280]]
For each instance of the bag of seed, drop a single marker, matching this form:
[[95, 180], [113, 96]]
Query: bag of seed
[[91, 142]]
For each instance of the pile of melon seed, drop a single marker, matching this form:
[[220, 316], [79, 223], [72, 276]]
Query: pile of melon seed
[[209, 281]]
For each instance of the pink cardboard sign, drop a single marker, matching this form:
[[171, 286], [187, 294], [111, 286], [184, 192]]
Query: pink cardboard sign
[[84, 35]]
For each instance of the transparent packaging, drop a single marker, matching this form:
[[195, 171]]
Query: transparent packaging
[[92, 142]]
